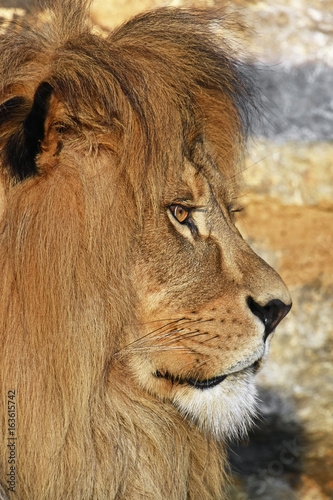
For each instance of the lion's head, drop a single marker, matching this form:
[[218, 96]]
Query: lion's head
[[207, 302], [125, 282]]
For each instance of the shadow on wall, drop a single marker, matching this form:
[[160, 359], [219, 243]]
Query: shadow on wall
[[298, 101], [269, 465]]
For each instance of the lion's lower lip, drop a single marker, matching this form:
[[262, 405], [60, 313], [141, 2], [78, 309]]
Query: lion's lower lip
[[198, 384], [203, 384], [206, 384]]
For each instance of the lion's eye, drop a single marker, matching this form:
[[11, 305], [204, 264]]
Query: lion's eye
[[180, 213], [233, 209]]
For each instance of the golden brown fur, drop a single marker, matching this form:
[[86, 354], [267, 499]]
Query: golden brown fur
[[96, 135]]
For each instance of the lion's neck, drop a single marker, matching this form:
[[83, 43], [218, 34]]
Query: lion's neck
[[158, 454]]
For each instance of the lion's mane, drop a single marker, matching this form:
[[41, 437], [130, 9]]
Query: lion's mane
[[89, 129]]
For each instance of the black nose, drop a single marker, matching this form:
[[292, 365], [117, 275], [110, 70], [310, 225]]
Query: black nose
[[271, 314]]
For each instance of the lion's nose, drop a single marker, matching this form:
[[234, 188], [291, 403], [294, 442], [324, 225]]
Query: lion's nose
[[271, 314]]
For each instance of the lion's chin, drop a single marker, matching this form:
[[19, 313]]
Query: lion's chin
[[225, 410]]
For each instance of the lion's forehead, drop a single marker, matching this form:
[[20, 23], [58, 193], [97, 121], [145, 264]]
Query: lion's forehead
[[204, 184]]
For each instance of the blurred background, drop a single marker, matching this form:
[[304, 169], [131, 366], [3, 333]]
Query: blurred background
[[289, 221]]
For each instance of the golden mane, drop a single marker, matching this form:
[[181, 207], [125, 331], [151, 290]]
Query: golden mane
[[90, 128]]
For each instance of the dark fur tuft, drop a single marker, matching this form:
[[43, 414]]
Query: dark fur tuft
[[23, 146]]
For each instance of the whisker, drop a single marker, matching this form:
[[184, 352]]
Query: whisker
[[204, 362], [195, 334], [156, 347], [182, 325], [212, 338], [169, 320], [149, 334]]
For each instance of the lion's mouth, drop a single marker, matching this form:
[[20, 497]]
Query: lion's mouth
[[206, 383], [198, 384]]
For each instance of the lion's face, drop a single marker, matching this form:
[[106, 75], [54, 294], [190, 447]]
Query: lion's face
[[207, 304]]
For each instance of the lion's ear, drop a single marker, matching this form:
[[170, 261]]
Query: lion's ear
[[22, 132]]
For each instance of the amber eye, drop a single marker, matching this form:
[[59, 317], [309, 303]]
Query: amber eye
[[180, 213]]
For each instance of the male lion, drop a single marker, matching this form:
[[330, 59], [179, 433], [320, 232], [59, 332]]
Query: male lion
[[133, 314]]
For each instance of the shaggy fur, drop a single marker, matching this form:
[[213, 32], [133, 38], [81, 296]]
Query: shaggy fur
[[91, 129]]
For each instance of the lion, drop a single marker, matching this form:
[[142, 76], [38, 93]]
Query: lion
[[133, 314]]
